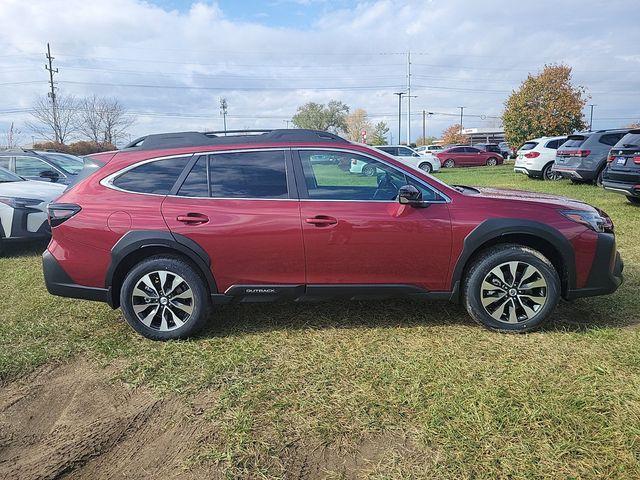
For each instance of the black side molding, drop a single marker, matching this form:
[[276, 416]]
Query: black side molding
[[495, 228]]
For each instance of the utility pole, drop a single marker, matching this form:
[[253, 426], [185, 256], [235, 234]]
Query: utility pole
[[461, 114], [591, 117], [424, 124], [409, 97], [287, 122], [223, 112], [400, 94], [52, 93]]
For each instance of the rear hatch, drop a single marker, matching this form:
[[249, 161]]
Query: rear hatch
[[571, 150], [624, 158]]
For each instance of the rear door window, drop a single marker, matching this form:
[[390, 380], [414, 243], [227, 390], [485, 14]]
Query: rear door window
[[157, 177], [258, 174], [4, 162], [554, 144], [389, 150], [31, 166], [405, 152]]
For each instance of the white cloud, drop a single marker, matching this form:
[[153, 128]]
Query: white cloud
[[467, 53]]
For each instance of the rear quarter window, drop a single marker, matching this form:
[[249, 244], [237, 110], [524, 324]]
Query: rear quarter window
[[156, 177]]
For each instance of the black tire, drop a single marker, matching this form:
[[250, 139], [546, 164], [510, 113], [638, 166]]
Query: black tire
[[369, 170], [492, 162], [449, 163], [491, 260], [634, 200], [548, 175], [598, 179], [425, 167], [199, 302]]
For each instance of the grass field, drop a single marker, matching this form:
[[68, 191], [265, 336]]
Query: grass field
[[407, 389]]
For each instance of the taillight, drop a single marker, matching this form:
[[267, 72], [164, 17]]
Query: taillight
[[61, 212], [574, 153], [636, 160], [532, 154], [610, 158]]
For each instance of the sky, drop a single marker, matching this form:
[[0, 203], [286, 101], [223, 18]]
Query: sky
[[169, 62]]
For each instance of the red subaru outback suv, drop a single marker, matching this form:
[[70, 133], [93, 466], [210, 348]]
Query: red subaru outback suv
[[177, 222]]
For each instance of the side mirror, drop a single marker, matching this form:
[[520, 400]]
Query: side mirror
[[410, 195], [415, 154], [50, 175]]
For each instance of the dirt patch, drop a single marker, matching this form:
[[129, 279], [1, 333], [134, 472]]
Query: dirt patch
[[72, 421]]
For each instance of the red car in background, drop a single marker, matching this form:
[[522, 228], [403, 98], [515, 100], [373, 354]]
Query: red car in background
[[468, 157]]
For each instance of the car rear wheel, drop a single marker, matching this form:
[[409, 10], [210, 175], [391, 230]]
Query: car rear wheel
[[492, 162], [164, 298], [634, 200], [426, 166], [369, 170], [511, 288], [449, 163], [548, 174]]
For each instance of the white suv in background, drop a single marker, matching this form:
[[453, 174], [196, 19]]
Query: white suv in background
[[427, 162], [535, 158]]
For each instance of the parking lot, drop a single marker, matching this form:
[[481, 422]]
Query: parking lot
[[388, 389]]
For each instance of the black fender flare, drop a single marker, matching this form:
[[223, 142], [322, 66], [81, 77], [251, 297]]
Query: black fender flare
[[135, 240], [494, 228]]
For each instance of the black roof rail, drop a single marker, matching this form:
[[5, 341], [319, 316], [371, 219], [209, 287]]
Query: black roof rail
[[197, 139]]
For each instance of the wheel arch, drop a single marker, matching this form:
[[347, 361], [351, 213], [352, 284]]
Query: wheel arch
[[137, 245], [538, 236]]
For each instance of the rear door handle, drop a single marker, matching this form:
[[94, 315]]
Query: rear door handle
[[193, 218], [321, 221]]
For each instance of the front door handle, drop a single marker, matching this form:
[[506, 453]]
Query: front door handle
[[193, 218], [321, 221]]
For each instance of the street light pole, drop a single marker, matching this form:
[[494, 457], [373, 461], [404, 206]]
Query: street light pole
[[461, 114], [399, 94], [591, 117]]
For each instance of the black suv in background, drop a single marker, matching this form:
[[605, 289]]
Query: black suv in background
[[490, 147], [622, 174], [44, 166], [583, 157]]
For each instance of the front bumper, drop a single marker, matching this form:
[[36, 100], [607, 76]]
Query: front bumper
[[59, 283], [606, 271]]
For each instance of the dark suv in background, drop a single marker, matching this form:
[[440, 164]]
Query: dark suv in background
[[44, 166], [622, 174], [583, 157]]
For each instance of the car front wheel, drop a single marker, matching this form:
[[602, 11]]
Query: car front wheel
[[492, 162], [425, 167], [164, 298], [511, 288]]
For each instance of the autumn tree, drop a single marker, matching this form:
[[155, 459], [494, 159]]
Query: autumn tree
[[634, 125], [546, 104], [357, 122], [379, 135], [453, 135], [316, 116]]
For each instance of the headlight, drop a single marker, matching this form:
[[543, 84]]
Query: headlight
[[17, 202], [597, 221]]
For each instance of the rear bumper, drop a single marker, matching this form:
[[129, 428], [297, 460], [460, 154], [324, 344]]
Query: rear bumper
[[574, 173], [606, 271], [59, 283], [527, 171], [629, 189]]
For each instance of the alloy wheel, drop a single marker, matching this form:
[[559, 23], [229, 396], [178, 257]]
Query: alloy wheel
[[449, 164], [425, 167], [492, 162], [514, 292], [162, 300]]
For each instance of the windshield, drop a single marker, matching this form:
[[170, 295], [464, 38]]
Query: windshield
[[69, 163], [7, 176]]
